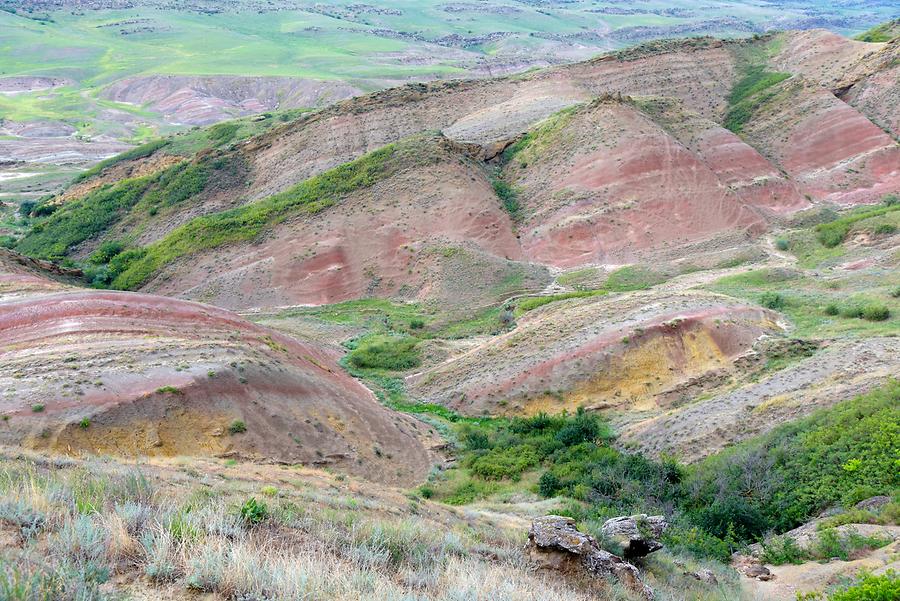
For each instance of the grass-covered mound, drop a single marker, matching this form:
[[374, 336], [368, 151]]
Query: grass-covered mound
[[881, 33]]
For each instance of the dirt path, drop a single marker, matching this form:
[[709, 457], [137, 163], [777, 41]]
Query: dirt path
[[814, 576]]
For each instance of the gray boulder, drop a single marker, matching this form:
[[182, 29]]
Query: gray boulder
[[636, 535], [554, 543]]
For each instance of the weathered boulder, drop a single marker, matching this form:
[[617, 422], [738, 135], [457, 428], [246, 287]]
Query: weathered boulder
[[704, 575], [873, 503], [637, 535], [554, 543]]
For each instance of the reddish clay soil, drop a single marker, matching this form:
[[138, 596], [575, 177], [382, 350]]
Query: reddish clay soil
[[427, 227], [643, 172], [631, 353], [611, 183], [832, 151], [138, 375], [865, 75], [486, 112]]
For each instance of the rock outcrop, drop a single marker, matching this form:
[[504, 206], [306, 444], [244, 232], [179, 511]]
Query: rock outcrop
[[637, 535], [554, 543]]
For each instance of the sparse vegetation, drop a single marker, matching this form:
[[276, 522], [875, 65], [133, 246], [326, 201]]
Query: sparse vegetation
[[134, 154], [237, 427], [307, 543], [828, 544]]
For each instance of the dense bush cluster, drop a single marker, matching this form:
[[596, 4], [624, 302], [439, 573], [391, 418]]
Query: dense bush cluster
[[76, 221], [776, 482], [746, 96], [386, 352], [247, 222], [773, 483]]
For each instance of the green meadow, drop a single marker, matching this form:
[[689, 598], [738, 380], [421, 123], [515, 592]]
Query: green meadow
[[368, 48]]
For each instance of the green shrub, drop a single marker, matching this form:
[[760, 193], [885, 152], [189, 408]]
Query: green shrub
[[38, 408], [884, 228], [82, 219], [508, 197], [782, 244], [222, 133], [833, 233], [237, 427], [829, 544], [501, 463], [253, 511], [746, 96], [386, 352], [549, 485], [875, 313], [780, 550], [697, 542], [869, 587], [85, 423], [802, 467], [890, 200], [771, 300], [249, 221], [852, 311], [105, 252], [832, 309]]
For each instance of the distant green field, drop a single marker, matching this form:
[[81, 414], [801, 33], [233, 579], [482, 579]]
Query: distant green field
[[390, 41]]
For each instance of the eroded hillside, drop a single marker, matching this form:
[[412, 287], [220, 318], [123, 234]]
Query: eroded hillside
[[664, 281]]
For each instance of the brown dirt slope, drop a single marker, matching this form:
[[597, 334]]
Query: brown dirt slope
[[138, 375], [203, 100], [843, 370]]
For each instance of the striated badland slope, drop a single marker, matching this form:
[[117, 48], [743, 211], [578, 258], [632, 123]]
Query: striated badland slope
[[138, 375], [640, 155]]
